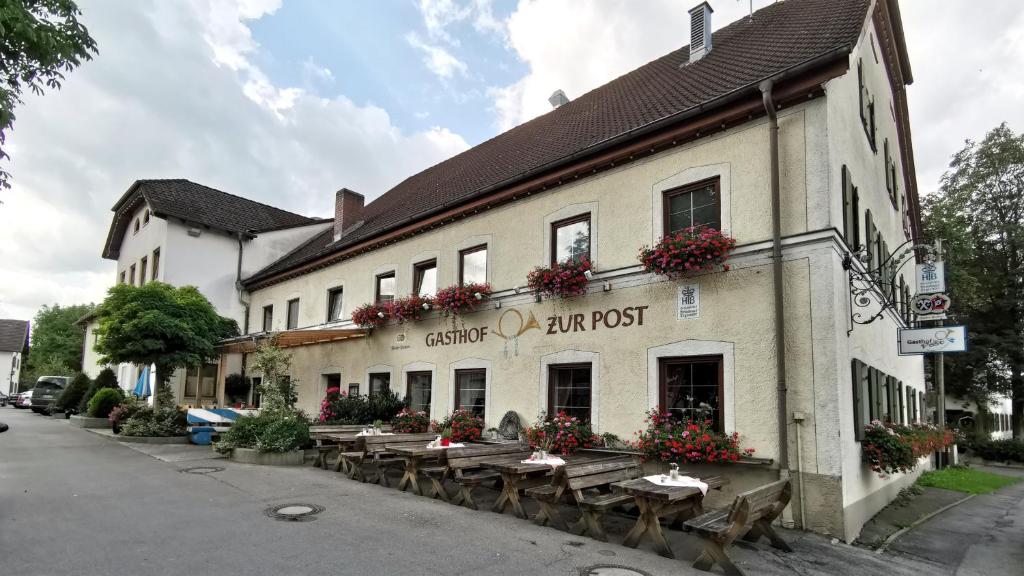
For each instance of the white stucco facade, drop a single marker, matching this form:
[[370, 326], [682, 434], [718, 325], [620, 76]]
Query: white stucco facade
[[10, 371]]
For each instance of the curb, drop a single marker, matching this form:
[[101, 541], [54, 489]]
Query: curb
[[892, 537]]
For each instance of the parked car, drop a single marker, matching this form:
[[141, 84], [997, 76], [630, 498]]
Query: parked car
[[46, 391], [4, 399], [23, 400]]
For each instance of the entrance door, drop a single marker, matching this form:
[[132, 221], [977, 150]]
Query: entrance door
[[692, 388]]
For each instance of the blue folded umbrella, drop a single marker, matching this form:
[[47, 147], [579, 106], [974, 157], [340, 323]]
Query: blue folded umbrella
[[142, 385]]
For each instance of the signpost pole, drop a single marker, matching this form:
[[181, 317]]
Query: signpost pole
[[940, 368]]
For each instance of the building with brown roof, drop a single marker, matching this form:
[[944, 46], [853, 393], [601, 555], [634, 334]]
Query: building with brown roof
[[13, 343]]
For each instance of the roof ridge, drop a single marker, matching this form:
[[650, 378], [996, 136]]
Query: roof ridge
[[201, 185]]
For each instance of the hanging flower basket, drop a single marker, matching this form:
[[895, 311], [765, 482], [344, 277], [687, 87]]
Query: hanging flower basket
[[691, 250], [371, 315], [408, 309], [455, 300], [563, 280]]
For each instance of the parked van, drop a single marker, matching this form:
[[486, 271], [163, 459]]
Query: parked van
[[46, 391]]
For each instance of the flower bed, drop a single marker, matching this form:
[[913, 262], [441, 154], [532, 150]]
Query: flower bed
[[563, 280], [691, 250], [410, 422], [890, 448], [455, 300], [370, 315], [669, 438], [464, 425], [562, 434]]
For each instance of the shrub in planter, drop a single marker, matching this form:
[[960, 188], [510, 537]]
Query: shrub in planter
[[410, 421], [669, 438], [406, 309], [275, 432], [161, 422], [691, 250], [370, 315], [104, 401], [384, 405], [71, 397], [890, 448], [998, 450], [105, 379], [563, 280], [465, 426], [561, 434], [458, 299], [123, 411], [339, 407]]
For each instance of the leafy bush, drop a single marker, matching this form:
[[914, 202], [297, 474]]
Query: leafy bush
[[890, 448], [998, 450], [105, 379], [125, 410], [384, 405], [163, 421], [277, 432], [465, 426], [562, 434], [339, 407], [410, 421], [71, 397], [669, 438], [104, 401]]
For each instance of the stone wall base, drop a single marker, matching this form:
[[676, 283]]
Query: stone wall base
[[88, 422], [152, 439], [250, 456]]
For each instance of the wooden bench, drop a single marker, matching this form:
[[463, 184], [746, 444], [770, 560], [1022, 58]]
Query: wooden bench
[[376, 450], [463, 466], [588, 484], [750, 517], [324, 445]]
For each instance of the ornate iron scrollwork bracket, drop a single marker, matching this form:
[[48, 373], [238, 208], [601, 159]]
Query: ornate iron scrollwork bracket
[[867, 285]]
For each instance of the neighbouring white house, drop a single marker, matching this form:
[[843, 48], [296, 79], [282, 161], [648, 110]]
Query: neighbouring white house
[[13, 341], [995, 419], [186, 234]]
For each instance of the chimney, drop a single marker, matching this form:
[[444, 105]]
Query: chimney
[[558, 98], [700, 31], [348, 211]]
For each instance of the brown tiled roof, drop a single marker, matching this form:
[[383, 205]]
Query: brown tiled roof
[[198, 204], [778, 37], [13, 334]]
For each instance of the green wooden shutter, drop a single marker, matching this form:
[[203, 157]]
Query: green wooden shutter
[[869, 234], [899, 388], [856, 373]]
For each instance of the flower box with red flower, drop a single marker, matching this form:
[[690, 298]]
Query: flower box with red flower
[[455, 300], [669, 438], [408, 309], [465, 426], [370, 315], [563, 280], [694, 249]]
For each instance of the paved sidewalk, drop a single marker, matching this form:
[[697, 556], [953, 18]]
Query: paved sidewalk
[[984, 536]]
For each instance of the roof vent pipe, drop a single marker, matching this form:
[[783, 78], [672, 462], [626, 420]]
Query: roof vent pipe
[[558, 98], [700, 31]]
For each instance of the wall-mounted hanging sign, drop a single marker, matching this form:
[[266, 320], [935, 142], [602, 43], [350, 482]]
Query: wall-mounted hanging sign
[[931, 278], [688, 302], [932, 340], [930, 306]]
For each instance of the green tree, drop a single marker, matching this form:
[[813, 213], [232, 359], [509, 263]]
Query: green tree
[[277, 389], [56, 339], [159, 324], [40, 40], [979, 214]]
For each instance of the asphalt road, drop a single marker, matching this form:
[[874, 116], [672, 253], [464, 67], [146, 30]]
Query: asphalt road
[[74, 503]]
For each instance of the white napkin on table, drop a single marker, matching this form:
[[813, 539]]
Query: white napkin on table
[[685, 481], [452, 445], [553, 461], [381, 434]]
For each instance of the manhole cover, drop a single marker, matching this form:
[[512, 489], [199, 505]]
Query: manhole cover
[[294, 512], [202, 470], [611, 570]]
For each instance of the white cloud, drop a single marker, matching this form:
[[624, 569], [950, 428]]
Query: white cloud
[[315, 73], [174, 92], [436, 58], [439, 14]]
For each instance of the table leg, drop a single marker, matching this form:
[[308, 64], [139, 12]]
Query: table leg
[[648, 523], [508, 484], [409, 476], [633, 536]]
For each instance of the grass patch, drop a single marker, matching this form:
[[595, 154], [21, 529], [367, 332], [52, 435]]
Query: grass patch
[[966, 480]]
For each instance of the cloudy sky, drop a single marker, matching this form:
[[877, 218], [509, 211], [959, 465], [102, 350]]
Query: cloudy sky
[[286, 102]]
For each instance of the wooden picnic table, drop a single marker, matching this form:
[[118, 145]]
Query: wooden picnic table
[[655, 501], [346, 441], [517, 475], [414, 457]]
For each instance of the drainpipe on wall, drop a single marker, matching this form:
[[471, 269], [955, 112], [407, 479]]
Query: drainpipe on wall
[[242, 299], [780, 323]]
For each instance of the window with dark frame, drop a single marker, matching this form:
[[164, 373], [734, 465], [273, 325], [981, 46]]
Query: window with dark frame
[[691, 387], [385, 287], [694, 205], [471, 390], [143, 265], [419, 387], [121, 279], [353, 389], [867, 107], [473, 265], [156, 264], [293, 314], [569, 390], [335, 300], [145, 218], [851, 210], [135, 230], [570, 239], [380, 382], [268, 317], [131, 274], [424, 278]]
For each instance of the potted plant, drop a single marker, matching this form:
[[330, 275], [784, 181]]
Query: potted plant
[[370, 315], [465, 426], [669, 438], [410, 421], [446, 437], [693, 249], [563, 280], [562, 434]]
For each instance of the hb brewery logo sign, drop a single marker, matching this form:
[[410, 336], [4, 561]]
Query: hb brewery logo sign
[[512, 324]]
